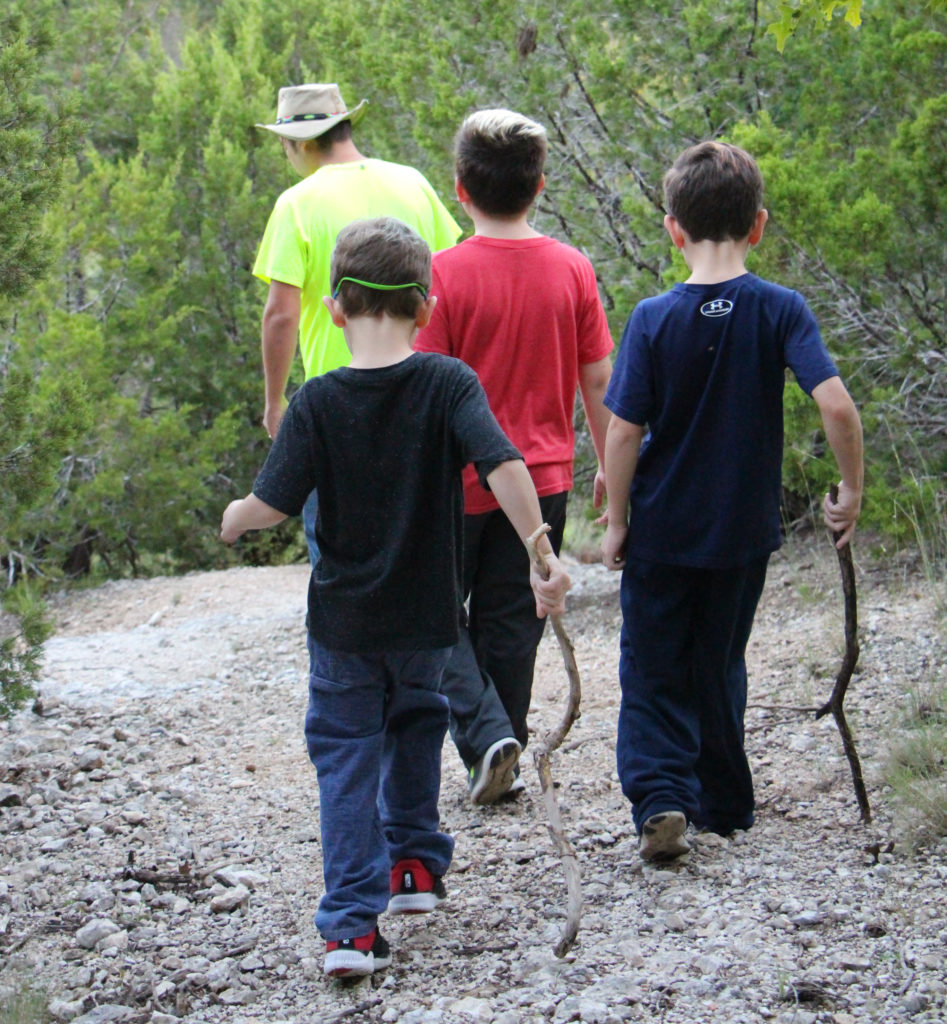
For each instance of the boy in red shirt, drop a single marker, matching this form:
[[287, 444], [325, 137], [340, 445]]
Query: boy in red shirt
[[522, 310]]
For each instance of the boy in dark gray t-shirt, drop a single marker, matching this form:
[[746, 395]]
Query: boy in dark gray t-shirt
[[384, 441]]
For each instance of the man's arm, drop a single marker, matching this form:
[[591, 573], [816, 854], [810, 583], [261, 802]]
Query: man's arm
[[249, 513], [843, 431], [622, 446], [280, 337], [593, 382], [513, 488]]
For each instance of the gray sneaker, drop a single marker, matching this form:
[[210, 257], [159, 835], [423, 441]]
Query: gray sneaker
[[662, 837], [492, 775]]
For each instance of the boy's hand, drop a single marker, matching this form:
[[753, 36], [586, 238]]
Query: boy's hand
[[613, 546], [841, 515], [551, 593], [598, 488], [230, 529]]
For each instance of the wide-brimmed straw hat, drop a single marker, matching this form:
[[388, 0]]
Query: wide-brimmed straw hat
[[308, 111]]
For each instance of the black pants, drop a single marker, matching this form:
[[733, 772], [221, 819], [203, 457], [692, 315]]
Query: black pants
[[489, 678]]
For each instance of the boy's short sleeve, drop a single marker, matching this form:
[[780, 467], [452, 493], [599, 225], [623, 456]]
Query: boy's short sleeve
[[480, 437], [288, 474], [630, 393], [435, 337], [282, 252], [593, 335], [805, 352]]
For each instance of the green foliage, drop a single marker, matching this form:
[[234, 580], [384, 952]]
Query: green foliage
[[20, 646], [38, 419], [151, 303], [916, 769], [793, 16], [33, 143]]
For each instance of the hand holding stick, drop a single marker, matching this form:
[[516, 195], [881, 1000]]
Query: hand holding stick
[[835, 702], [541, 753]]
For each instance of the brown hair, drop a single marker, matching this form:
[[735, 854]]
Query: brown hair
[[714, 191], [382, 251], [498, 158]]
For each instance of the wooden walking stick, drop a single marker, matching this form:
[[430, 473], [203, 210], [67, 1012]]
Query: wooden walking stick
[[550, 742], [850, 659]]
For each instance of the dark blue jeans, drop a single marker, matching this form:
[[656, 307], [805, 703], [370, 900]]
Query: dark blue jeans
[[683, 683], [375, 728]]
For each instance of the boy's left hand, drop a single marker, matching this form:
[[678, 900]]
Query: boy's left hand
[[598, 488], [613, 546], [550, 593], [230, 529]]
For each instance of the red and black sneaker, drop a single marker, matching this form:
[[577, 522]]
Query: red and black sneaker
[[352, 958], [414, 890]]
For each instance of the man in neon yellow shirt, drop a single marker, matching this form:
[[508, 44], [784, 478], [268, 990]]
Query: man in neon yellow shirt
[[339, 185]]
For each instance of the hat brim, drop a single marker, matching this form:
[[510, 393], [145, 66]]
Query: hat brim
[[300, 131]]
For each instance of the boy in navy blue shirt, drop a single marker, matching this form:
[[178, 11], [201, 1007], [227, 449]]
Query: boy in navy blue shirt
[[693, 461]]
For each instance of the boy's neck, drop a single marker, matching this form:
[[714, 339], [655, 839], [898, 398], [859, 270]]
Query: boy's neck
[[715, 262], [511, 228], [378, 341]]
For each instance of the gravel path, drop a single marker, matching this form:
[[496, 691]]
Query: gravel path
[[159, 854]]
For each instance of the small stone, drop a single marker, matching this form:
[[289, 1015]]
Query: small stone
[[914, 1002], [89, 935], [237, 996], [116, 941], [808, 918], [105, 1013], [230, 900], [55, 845], [89, 760], [235, 875], [62, 1009], [10, 796], [479, 1009]]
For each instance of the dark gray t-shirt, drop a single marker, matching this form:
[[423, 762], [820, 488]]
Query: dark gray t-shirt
[[385, 448]]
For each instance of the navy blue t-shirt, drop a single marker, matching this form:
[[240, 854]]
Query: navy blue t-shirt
[[385, 448], [703, 368]]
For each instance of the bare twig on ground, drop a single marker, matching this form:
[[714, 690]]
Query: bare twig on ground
[[849, 661], [541, 751]]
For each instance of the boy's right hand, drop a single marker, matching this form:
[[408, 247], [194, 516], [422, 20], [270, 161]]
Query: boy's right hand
[[550, 593], [840, 510], [613, 546]]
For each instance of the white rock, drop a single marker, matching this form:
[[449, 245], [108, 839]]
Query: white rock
[[62, 1009], [105, 1013], [235, 875], [479, 1009], [117, 941], [230, 900], [89, 935]]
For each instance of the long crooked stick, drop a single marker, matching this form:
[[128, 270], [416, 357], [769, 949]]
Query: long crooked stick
[[550, 742], [849, 661]]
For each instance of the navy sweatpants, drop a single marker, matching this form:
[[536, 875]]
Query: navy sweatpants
[[683, 681]]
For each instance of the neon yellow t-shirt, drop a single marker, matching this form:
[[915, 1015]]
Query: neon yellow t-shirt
[[299, 238]]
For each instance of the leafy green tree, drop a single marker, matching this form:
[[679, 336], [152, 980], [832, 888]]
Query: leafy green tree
[[36, 423], [153, 306]]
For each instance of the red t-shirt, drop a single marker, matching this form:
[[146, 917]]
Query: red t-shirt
[[525, 314]]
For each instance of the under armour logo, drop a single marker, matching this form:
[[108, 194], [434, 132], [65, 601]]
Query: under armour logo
[[716, 307]]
